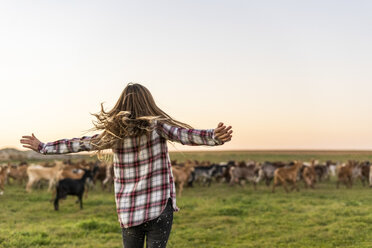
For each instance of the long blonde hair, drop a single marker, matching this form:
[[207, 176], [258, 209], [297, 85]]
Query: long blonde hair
[[132, 116]]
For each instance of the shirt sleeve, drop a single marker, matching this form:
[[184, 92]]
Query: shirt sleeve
[[186, 136], [67, 145]]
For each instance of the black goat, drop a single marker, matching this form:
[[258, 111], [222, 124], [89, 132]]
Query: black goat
[[70, 186]]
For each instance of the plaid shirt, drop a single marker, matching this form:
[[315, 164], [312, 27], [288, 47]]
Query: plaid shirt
[[142, 171]]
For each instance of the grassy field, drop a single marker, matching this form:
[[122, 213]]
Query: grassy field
[[219, 216]]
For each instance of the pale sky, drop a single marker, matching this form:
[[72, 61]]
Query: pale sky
[[284, 74]]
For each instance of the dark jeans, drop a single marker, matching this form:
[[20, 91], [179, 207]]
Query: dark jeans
[[156, 231]]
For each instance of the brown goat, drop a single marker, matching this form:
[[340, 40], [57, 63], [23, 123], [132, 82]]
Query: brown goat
[[181, 175], [309, 175], [3, 176], [18, 173], [286, 175], [345, 173]]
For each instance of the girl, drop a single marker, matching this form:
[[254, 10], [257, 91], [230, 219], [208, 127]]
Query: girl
[[137, 130]]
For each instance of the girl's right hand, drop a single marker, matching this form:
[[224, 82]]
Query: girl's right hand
[[223, 133], [30, 142]]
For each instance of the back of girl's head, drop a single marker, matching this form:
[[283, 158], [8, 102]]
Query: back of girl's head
[[137, 100], [133, 115]]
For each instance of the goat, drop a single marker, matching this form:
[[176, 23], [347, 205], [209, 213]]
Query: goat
[[365, 172], [267, 170], [226, 172], [18, 173], [70, 186], [109, 180], [181, 175], [99, 173], [3, 177], [36, 173], [199, 174], [345, 174], [286, 175], [322, 171], [68, 172], [332, 167], [204, 173], [361, 171], [309, 174], [219, 172], [244, 172]]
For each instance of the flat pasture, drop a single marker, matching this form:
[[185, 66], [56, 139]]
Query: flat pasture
[[216, 216]]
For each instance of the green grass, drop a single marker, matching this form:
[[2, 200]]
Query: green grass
[[219, 216]]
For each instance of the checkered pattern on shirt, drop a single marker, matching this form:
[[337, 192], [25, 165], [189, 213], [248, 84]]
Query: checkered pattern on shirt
[[142, 170]]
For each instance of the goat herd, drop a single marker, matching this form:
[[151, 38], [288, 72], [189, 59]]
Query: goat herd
[[64, 177], [284, 174], [77, 178]]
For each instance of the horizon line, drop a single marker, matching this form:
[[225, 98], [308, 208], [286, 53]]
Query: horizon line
[[250, 150]]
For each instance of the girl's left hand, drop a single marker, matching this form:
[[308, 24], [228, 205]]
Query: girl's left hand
[[30, 142]]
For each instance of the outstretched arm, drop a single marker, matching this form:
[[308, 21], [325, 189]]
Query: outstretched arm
[[210, 137], [60, 146]]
